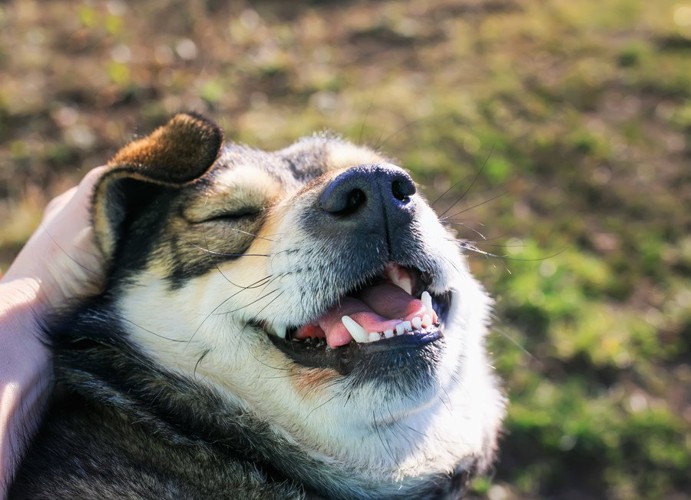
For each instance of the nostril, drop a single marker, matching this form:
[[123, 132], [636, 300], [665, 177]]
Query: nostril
[[402, 189], [342, 197], [355, 199]]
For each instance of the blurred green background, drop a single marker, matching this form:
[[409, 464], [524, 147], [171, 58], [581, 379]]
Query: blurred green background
[[559, 131]]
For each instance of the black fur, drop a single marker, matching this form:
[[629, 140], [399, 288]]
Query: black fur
[[152, 434]]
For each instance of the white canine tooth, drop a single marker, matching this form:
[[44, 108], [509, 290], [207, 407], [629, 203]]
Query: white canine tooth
[[427, 302], [400, 279], [358, 333], [417, 323], [388, 333], [407, 285], [373, 336], [280, 331], [408, 326], [400, 329], [426, 320]]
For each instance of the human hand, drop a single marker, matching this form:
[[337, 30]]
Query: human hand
[[61, 260]]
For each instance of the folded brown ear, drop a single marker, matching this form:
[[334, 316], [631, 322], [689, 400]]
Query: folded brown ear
[[179, 151], [143, 171]]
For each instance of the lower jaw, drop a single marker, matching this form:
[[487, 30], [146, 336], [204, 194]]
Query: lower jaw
[[404, 370], [397, 360]]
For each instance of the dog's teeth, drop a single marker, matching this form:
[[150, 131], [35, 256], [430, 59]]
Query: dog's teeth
[[280, 331], [426, 320], [406, 285], [374, 336], [417, 323], [358, 333], [408, 326], [400, 279], [400, 329], [388, 333], [427, 302]]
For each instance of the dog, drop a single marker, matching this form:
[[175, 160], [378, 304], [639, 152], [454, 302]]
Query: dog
[[288, 324]]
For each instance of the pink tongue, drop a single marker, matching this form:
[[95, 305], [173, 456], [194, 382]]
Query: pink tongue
[[376, 309]]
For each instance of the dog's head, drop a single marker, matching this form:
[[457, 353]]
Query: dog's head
[[313, 286]]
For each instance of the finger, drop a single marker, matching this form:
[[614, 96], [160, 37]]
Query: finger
[[91, 177], [58, 203], [82, 198], [77, 198]]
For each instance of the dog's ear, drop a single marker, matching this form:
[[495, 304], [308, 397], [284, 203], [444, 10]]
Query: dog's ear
[[179, 152]]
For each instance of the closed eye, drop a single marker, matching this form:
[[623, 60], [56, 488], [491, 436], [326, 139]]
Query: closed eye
[[241, 215], [225, 214]]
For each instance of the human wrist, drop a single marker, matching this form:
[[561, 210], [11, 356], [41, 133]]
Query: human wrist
[[25, 369], [21, 305]]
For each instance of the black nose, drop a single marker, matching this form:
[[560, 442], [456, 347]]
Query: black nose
[[370, 194], [366, 185]]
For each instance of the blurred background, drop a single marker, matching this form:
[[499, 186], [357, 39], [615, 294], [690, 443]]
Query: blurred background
[[555, 136]]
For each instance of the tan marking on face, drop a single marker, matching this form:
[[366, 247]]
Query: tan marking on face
[[242, 189], [246, 270], [268, 232], [207, 228], [310, 382]]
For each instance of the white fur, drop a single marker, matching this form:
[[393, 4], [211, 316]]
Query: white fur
[[409, 437]]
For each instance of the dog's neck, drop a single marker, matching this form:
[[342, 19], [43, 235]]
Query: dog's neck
[[161, 402]]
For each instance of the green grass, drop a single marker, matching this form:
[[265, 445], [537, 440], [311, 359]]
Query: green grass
[[562, 128]]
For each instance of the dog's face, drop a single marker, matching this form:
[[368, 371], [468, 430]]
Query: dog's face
[[313, 286]]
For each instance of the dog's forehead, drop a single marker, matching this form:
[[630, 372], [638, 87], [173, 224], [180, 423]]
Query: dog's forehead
[[293, 166], [315, 155]]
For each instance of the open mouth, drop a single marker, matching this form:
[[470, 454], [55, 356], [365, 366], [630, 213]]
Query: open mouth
[[391, 312]]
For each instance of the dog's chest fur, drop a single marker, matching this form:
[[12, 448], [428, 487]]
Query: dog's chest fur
[[274, 325]]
